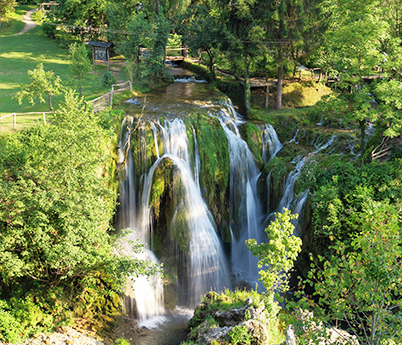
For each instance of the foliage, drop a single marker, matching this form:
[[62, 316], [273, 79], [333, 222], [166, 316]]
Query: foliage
[[55, 212], [215, 164], [108, 79], [212, 302], [82, 14], [240, 335], [277, 256], [341, 190], [80, 65], [42, 83], [156, 62], [349, 55], [7, 7], [389, 93], [361, 286], [125, 17], [122, 341], [49, 29]]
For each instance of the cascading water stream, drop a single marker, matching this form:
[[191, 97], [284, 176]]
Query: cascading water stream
[[208, 267], [270, 143], [289, 186], [245, 208], [147, 293], [298, 207]]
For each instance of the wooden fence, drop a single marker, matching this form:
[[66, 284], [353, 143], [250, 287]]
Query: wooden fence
[[31, 113], [106, 100], [99, 103]]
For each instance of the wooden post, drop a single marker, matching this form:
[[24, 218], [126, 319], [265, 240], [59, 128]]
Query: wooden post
[[266, 97], [44, 119], [108, 60], [111, 96], [93, 57], [15, 120], [131, 85]]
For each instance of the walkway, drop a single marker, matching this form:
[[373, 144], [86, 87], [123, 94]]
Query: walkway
[[29, 23]]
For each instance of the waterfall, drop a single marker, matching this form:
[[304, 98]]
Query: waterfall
[[245, 208], [293, 140], [289, 186], [270, 143], [148, 293], [324, 146], [298, 207], [206, 264], [183, 233]]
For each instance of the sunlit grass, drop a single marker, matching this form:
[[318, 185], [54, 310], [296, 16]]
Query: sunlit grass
[[21, 53], [14, 24]]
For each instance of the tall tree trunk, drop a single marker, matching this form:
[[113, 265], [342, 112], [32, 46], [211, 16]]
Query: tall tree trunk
[[280, 78], [247, 91]]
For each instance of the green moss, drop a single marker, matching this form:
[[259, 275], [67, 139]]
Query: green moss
[[215, 164], [179, 230], [285, 122], [252, 135]]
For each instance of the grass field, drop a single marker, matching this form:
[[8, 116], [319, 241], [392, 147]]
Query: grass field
[[14, 24], [21, 53]]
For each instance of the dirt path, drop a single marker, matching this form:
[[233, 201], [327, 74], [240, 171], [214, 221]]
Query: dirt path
[[29, 23]]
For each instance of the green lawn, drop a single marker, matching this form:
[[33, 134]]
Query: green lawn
[[21, 53], [14, 24]]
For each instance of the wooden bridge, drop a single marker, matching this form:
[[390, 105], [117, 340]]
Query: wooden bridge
[[145, 53]]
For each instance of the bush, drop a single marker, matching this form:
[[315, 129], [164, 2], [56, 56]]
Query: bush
[[49, 29], [108, 79]]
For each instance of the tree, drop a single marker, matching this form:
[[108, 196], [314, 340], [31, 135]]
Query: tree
[[55, 215], [6, 8], [278, 255], [389, 93], [361, 286], [42, 83], [131, 30], [203, 31], [80, 65], [88, 14]]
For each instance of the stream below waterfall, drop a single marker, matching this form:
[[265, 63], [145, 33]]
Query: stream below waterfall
[[167, 206]]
